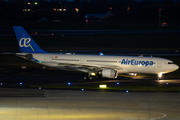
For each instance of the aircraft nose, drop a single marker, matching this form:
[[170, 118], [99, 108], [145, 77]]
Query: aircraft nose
[[176, 67]]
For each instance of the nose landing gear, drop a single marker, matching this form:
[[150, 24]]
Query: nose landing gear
[[159, 76]]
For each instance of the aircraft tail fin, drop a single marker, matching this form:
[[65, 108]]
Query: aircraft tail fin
[[26, 43]]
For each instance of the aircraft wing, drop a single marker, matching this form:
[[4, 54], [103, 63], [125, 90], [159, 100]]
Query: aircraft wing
[[87, 67], [72, 66]]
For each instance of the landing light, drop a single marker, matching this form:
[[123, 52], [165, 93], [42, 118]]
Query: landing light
[[103, 86], [93, 74], [160, 75]]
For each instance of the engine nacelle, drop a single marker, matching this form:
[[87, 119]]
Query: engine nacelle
[[109, 73]]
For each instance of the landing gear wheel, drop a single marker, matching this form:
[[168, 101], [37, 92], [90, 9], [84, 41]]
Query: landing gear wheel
[[90, 78]]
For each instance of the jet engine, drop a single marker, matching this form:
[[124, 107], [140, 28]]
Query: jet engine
[[108, 73]]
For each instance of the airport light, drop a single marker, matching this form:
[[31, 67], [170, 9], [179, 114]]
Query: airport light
[[102, 86], [166, 83], [64, 10], [54, 9], [77, 10], [29, 9], [58, 10], [1, 83], [117, 83], [128, 8], [127, 91], [23, 67], [39, 88], [110, 8], [20, 83], [69, 83], [29, 3], [35, 3], [24, 9], [82, 89]]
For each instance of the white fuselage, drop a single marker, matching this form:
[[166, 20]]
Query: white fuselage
[[123, 64]]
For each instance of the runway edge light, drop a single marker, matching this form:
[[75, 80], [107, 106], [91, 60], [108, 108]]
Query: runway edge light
[[102, 86]]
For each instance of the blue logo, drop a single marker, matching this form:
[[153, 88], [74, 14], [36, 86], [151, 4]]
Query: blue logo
[[136, 62]]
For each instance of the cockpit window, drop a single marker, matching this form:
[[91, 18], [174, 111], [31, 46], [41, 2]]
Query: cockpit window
[[170, 63]]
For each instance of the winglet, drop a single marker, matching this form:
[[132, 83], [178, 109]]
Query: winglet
[[26, 43]]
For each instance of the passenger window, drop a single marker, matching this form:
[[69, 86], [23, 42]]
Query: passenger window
[[170, 63]]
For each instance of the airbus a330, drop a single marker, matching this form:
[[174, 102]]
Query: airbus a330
[[94, 65]]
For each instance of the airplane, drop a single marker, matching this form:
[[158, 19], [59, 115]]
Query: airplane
[[102, 66], [97, 17]]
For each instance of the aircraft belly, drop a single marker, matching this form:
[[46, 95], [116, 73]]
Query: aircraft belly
[[49, 64], [138, 69]]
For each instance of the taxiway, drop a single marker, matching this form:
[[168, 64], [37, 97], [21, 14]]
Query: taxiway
[[35, 104]]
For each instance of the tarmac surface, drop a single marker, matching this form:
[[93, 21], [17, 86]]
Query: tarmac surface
[[15, 80], [42, 104], [21, 102]]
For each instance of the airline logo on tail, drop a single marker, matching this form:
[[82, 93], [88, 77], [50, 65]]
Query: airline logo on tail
[[25, 42]]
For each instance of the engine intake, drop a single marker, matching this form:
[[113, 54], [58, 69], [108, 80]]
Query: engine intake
[[109, 73]]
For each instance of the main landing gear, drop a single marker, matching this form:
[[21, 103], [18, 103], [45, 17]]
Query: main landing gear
[[88, 78], [91, 76]]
